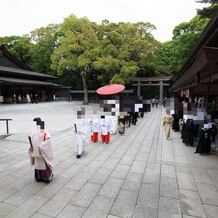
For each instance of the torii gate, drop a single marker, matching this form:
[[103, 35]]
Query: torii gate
[[151, 81]]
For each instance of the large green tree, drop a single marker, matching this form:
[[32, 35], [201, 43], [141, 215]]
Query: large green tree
[[125, 49], [77, 49]]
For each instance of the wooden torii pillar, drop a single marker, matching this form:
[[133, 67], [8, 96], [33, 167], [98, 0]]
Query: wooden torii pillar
[[151, 81]]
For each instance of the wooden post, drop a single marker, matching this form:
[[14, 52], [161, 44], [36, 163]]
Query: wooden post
[[7, 126], [139, 88], [161, 92]]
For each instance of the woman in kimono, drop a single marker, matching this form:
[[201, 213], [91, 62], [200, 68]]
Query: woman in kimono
[[41, 153], [167, 123], [121, 125]]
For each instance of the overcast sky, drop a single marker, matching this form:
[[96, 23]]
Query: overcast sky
[[20, 17]]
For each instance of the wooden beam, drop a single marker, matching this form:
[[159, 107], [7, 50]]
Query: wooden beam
[[151, 79], [150, 84]]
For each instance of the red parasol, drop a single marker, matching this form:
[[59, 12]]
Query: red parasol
[[110, 89]]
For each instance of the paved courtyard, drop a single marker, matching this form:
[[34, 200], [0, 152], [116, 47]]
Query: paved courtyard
[[137, 175]]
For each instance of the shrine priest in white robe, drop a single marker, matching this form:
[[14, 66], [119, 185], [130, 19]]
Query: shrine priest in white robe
[[83, 132]]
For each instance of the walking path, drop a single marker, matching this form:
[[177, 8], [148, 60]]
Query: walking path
[[137, 175]]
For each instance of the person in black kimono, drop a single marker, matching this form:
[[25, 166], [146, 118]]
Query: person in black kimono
[[142, 114], [134, 118], [196, 131], [183, 127], [130, 117], [204, 144], [188, 133], [175, 125], [213, 132]]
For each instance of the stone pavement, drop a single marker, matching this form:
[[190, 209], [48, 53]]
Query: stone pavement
[[137, 175]]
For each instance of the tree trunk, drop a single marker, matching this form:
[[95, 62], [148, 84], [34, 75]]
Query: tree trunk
[[85, 89]]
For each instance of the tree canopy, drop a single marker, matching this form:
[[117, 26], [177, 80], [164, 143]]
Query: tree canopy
[[125, 50], [77, 48], [113, 52], [88, 55]]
